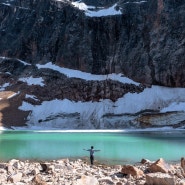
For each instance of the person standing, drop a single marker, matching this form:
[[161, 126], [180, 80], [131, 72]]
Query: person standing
[[91, 152]]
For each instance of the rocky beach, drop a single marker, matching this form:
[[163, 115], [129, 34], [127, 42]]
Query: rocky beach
[[80, 172]]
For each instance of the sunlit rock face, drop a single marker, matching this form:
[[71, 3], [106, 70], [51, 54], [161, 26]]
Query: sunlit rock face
[[142, 39]]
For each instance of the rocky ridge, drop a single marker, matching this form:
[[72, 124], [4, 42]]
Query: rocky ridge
[[79, 172]]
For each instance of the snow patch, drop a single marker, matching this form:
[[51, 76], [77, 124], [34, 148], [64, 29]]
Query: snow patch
[[32, 81], [180, 106], [2, 88], [154, 98], [13, 95], [93, 11], [2, 129], [6, 4], [23, 62], [104, 12], [32, 97], [136, 2], [87, 76], [80, 5]]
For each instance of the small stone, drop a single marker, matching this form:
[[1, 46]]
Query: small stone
[[131, 170], [159, 178], [145, 161], [15, 178], [87, 180], [38, 180]]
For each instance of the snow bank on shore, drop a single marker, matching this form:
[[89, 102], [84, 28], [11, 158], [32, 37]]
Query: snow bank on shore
[[158, 98]]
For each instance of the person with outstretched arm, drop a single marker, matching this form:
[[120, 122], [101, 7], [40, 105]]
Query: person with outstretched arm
[[91, 151]]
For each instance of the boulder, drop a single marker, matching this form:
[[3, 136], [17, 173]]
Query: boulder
[[35, 171], [181, 182], [16, 163], [106, 180], [119, 183], [37, 180], [10, 169], [183, 163], [145, 161], [84, 180], [3, 166], [160, 166], [15, 178], [44, 166], [132, 170], [159, 179]]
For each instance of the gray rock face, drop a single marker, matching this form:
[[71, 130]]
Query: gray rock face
[[146, 42]]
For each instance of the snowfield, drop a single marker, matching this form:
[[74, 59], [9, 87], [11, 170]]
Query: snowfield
[[162, 99], [66, 114]]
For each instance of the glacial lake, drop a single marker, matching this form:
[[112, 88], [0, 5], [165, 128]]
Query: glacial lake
[[117, 147]]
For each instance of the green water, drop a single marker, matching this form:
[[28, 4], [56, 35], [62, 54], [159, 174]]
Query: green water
[[116, 148]]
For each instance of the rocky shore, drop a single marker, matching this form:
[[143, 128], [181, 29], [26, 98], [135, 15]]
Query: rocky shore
[[79, 172]]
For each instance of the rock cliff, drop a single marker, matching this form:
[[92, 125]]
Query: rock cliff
[[146, 42]]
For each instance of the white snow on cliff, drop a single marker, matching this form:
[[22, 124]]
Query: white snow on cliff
[[93, 11], [151, 98], [135, 2], [2, 88], [13, 95], [87, 76], [104, 12], [163, 99], [32, 81]]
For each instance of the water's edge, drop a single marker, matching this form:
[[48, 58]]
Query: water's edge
[[117, 146]]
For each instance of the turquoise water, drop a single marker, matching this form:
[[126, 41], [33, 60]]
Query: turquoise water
[[116, 148]]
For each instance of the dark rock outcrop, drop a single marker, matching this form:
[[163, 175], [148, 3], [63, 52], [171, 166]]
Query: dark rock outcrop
[[59, 86], [146, 42]]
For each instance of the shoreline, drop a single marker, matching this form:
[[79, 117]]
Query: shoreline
[[79, 172], [127, 148], [86, 160], [53, 130]]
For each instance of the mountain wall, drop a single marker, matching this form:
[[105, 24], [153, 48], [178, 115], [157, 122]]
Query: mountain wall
[[146, 42], [141, 41]]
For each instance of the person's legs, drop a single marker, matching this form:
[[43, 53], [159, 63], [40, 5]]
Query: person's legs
[[92, 159]]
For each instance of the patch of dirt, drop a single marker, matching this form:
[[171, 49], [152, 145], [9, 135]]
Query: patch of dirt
[[10, 115]]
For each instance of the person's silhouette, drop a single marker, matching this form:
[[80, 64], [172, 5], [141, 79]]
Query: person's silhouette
[[91, 151]]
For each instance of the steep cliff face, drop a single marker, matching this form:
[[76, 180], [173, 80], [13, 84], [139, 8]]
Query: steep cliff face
[[142, 40], [146, 41]]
